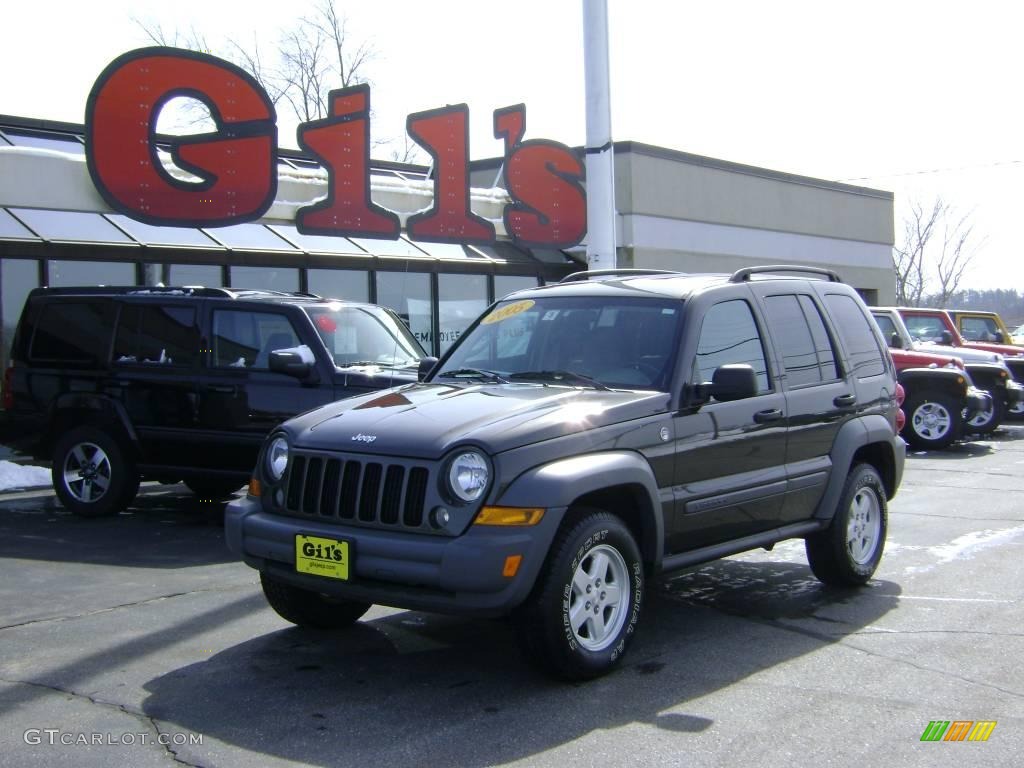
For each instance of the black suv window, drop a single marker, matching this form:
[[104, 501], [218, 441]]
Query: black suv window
[[161, 335], [858, 338], [807, 354], [243, 339], [74, 332], [729, 335]]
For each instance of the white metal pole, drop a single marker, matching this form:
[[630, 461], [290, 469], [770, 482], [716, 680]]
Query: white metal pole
[[600, 162]]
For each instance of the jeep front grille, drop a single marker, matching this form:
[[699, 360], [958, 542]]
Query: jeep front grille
[[358, 491]]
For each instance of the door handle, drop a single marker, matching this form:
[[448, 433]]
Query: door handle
[[844, 401], [773, 414]]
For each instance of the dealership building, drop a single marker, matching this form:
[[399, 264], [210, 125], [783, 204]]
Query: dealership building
[[674, 211]]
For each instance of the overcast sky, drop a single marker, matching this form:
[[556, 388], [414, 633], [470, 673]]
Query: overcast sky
[[918, 98]]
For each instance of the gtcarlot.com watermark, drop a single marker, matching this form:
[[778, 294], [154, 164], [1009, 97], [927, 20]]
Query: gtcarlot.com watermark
[[55, 736]]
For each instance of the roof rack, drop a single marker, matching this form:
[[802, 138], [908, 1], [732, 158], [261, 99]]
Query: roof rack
[[171, 290], [576, 277], [743, 275]]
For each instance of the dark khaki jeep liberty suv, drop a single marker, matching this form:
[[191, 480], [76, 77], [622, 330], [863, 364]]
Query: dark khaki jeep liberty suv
[[580, 439]]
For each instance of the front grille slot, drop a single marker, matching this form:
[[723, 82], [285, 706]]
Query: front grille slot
[[368, 493]]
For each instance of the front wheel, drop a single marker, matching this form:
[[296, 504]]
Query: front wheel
[[1016, 412], [92, 474], [310, 609], [583, 610], [849, 550], [934, 420]]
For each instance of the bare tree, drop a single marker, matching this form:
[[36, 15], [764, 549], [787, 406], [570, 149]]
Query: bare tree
[[919, 260]]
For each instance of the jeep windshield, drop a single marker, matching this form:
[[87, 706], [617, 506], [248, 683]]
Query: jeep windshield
[[570, 341], [364, 335]]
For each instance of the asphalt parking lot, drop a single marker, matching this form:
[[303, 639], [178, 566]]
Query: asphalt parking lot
[[119, 634]]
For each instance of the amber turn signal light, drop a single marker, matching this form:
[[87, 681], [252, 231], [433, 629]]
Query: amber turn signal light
[[254, 487], [509, 516]]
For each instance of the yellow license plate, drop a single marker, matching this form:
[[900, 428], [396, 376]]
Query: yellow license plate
[[322, 557]]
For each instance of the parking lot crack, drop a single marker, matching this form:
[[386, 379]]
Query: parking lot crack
[[109, 609], [140, 717]]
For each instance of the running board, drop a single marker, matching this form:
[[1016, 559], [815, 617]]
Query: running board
[[763, 539]]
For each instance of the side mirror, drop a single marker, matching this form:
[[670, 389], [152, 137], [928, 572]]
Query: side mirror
[[291, 364], [735, 381], [895, 341], [947, 338], [426, 366], [1000, 338]]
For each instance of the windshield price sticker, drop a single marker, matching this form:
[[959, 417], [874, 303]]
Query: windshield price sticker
[[509, 310], [322, 557]]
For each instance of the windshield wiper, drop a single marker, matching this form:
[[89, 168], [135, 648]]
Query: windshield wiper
[[561, 377], [475, 373]]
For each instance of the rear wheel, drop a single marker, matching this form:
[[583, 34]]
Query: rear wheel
[[307, 608], [585, 606], [92, 474], [849, 550], [934, 420]]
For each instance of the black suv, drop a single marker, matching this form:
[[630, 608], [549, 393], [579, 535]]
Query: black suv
[[579, 439], [120, 384]]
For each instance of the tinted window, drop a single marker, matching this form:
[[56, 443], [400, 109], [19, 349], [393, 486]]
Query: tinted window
[[857, 335], [77, 332], [246, 339], [729, 335], [156, 335], [807, 357], [822, 342]]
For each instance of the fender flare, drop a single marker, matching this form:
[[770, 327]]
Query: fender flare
[[90, 401], [948, 381], [854, 435], [558, 484]]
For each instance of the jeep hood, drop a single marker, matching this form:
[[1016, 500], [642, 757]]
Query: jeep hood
[[427, 420]]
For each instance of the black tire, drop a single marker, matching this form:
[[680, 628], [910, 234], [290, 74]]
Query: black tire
[[934, 420], [92, 473], [306, 608], [592, 549], [849, 550], [1015, 412], [212, 490], [986, 423]]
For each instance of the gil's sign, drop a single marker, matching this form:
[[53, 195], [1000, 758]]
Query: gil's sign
[[235, 166]]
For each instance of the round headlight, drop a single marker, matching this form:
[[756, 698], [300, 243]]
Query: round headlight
[[277, 458], [468, 474]]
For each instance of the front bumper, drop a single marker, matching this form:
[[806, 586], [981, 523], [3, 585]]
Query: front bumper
[[460, 575], [977, 401]]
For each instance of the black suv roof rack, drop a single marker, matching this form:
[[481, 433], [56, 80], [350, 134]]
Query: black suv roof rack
[[576, 277], [743, 275], [170, 290]]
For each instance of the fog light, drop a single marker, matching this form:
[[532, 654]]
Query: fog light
[[440, 517]]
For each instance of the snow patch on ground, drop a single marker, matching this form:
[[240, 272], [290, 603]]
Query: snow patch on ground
[[14, 476]]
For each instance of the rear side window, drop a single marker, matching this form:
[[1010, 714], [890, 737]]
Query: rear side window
[[157, 335], [855, 330], [729, 335], [76, 332], [803, 341]]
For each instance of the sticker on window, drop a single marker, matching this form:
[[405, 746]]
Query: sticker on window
[[509, 310]]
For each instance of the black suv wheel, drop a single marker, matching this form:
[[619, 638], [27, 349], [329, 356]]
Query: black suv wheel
[[849, 550], [92, 474], [585, 607], [310, 609]]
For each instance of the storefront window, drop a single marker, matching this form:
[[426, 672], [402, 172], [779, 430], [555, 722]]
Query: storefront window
[[347, 284], [461, 300], [408, 293], [506, 284], [64, 273], [17, 278], [206, 275], [265, 278]]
